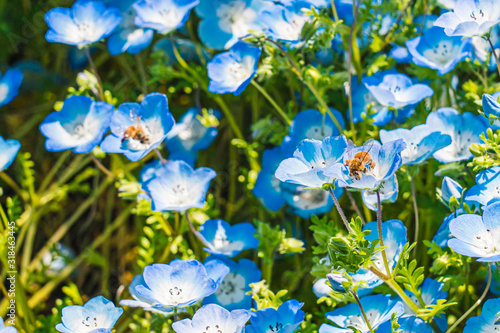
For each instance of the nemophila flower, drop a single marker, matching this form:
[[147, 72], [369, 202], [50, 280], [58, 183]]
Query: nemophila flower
[[191, 136], [487, 321], [320, 288], [139, 301], [232, 71], [491, 107], [337, 278], [228, 240], [186, 48], [180, 283], [450, 188], [378, 308], [396, 91], [435, 50], [409, 324], [470, 18], [495, 280], [286, 318], [464, 130], [477, 236], [267, 187], [163, 15], [400, 54], [487, 188], [306, 202], [285, 23], [388, 193], [213, 318], [80, 125], [421, 142], [86, 22], [311, 124], [178, 187], [8, 152], [232, 292], [127, 37], [137, 129], [56, 260], [310, 160], [443, 234], [223, 22], [9, 85], [6, 329], [97, 315], [385, 161], [481, 48]]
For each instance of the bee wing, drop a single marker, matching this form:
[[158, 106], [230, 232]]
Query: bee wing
[[368, 145], [351, 150]]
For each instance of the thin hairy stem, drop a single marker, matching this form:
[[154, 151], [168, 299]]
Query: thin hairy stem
[[380, 234], [340, 210]]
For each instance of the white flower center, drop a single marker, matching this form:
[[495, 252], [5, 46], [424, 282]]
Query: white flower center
[[231, 290], [442, 53]]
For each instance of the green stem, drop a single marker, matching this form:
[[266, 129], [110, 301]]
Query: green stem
[[380, 234], [6, 178], [415, 209], [142, 73], [334, 10], [365, 317], [280, 111], [53, 171], [355, 206], [398, 290], [94, 69]]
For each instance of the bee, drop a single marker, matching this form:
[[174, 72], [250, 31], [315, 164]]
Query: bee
[[136, 133], [362, 162]]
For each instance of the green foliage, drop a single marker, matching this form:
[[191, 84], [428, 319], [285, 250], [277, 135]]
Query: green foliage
[[486, 154], [323, 230], [394, 324], [411, 277], [264, 297], [433, 310]]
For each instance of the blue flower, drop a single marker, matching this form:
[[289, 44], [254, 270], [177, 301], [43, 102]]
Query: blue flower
[[163, 15], [450, 188], [55, 260], [487, 321], [470, 18], [140, 301], [6, 329], [80, 125], [387, 159], [213, 318], [180, 283], [137, 129], [178, 187], [306, 202], [481, 48], [378, 308], [388, 193], [285, 319], [443, 234], [435, 50], [232, 71], [223, 23], [400, 54], [337, 278], [97, 313], [285, 23], [9, 85], [228, 240], [232, 292], [396, 91], [486, 191], [127, 37], [409, 324], [310, 160], [421, 142], [310, 124], [491, 106], [464, 130], [8, 152], [85, 23], [477, 236], [191, 136], [267, 187]]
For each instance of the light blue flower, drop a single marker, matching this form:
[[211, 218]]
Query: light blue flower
[[400, 54], [232, 71], [310, 160], [396, 91], [224, 22], [435, 50], [191, 136], [481, 48], [311, 124], [306, 202], [487, 321], [127, 37], [421, 142], [337, 278], [409, 324], [178, 187], [487, 188], [450, 188], [163, 15], [378, 308], [491, 107], [180, 283], [213, 318], [8, 152], [285, 319], [86, 22], [387, 159], [151, 122], [232, 292], [6, 329], [97, 315], [139, 301], [285, 23], [476, 236], [388, 193], [470, 18], [443, 234], [9, 85], [228, 240], [55, 260], [80, 125], [267, 187]]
